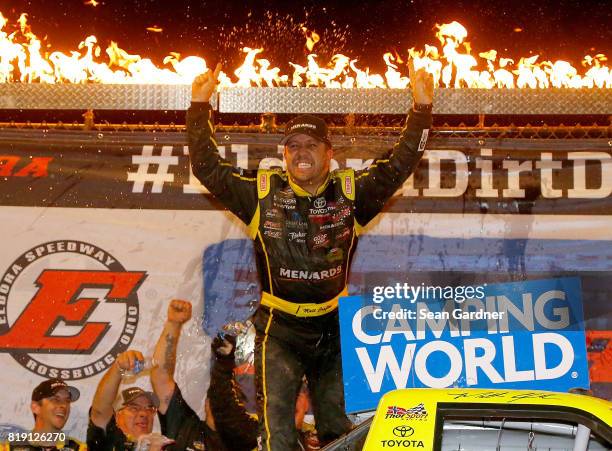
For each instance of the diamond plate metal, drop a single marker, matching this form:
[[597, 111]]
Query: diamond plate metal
[[304, 100], [393, 101], [26, 96]]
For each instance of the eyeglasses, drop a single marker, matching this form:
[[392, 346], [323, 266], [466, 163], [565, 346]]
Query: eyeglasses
[[134, 408]]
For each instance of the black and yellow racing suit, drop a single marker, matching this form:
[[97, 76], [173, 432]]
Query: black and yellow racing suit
[[304, 244], [69, 444]]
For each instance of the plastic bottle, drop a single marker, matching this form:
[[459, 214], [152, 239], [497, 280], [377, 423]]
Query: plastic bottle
[[139, 367]]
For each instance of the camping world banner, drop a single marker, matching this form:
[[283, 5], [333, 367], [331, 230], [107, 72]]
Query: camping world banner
[[523, 335]]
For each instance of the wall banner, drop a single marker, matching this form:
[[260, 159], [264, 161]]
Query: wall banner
[[522, 335]]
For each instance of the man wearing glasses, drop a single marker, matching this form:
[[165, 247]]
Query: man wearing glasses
[[227, 425], [120, 430]]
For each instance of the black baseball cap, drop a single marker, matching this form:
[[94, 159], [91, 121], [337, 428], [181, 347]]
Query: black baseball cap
[[307, 124], [130, 394], [50, 387]]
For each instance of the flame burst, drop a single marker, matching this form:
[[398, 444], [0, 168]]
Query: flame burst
[[311, 38], [451, 63]]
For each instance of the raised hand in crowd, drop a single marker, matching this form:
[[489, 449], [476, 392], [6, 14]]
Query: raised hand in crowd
[[127, 361], [102, 405], [224, 347], [121, 429], [162, 375], [179, 311], [177, 419]]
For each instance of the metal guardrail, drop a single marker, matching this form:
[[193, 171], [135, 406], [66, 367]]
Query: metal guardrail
[[394, 101], [23, 96], [540, 132], [40, 96]]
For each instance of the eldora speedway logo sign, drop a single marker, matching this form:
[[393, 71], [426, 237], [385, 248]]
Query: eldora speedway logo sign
[[46, 312]]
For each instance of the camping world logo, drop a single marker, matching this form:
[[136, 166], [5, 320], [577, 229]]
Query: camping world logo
[[67, 308]]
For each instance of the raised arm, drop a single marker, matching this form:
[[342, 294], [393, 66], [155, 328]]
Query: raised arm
[[234, 187], [231, 419], [102, 405], [162, 373], [376, 184]]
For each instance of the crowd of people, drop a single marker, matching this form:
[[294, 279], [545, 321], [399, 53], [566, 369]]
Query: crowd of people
[[124, 421]]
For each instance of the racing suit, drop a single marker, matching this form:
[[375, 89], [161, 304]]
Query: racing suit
[[304, 244], [69, 444]]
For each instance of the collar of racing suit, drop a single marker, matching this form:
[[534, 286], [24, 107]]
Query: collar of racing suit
[[297, 189]]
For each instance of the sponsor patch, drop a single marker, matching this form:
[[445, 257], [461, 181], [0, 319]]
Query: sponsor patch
[[273, 225], [273, 213], [320, 240], [284, 206], [319, 218], [276, 234], [332, 225], [297, 274], [348, 185], [285, 200], [319, 212], [343, 235], [341, 214], [320, 202], [297, 236], [301, 225], [423, 141]]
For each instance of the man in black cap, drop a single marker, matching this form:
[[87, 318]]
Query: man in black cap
[[305, 223], [120, 430], [51, 401]]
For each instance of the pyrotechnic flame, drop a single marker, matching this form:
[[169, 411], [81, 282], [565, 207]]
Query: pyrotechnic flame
[[22, 59], [311, 38]]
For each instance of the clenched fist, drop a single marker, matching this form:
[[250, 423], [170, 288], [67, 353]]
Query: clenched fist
[[126, 360], [179, 312], [204, 85]]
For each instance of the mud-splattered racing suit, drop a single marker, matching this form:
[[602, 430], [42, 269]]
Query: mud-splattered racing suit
[[304, 244]]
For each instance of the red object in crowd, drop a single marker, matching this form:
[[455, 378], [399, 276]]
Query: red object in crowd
[[599, 349]]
